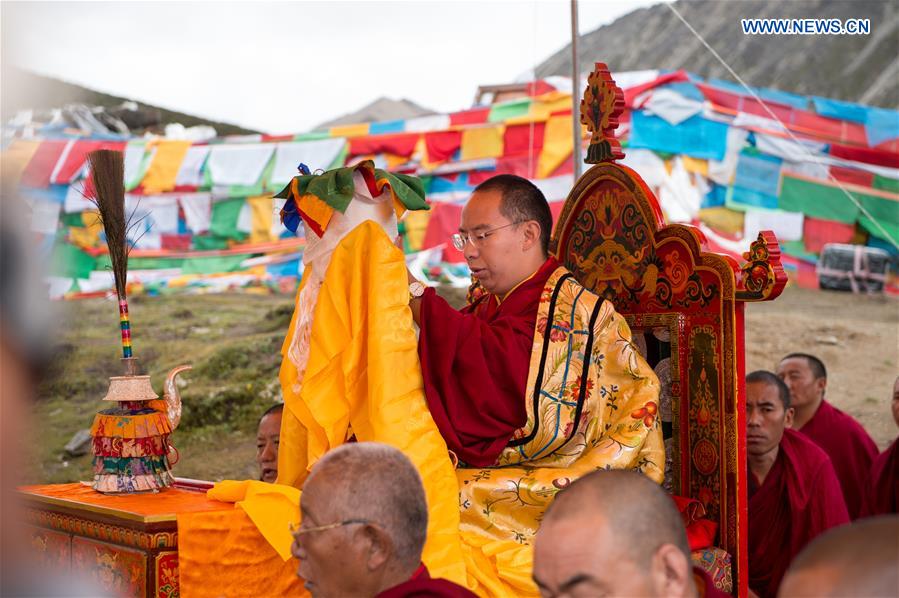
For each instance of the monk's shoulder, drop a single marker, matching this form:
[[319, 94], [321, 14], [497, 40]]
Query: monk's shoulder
[[800, 448], [848, 427]]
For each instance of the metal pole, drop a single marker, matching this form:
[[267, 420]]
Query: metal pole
[[575, 95]]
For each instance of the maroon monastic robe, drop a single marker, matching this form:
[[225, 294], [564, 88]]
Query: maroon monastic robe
[[799, 499], [882, 489], [705, 587], [475, 366], [422, 585], [849, 447]]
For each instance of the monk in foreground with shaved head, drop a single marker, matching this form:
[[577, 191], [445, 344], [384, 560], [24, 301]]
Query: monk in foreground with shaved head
[[858, 561], [364, 520], [616, 533]]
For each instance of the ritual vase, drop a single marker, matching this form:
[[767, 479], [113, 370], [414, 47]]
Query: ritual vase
[[130, 441]]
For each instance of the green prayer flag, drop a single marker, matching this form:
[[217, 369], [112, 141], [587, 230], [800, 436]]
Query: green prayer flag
[[818, 201], [209, 243], [214, 264], [312, 136], [886, 183], [506, 110], [892, 230], [224, 218], [69, 261]]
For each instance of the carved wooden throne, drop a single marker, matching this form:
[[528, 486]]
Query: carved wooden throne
[[684, 305]]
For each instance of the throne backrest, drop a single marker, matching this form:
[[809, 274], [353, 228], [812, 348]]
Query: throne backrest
[[685, 310]]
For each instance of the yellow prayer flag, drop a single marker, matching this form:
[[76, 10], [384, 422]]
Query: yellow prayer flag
[[416, 222], [545, 105], [15, 158], [557, 145], [696, 165], [349, 130], [163, 170], [261, 224], [482, 142]]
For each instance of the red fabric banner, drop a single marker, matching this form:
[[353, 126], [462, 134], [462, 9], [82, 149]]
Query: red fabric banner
[[851, 175], [747, 104], [839, 130], [632, 92], [442, 145], [816, 232], [176, 242], [475, 116], [524, 139], [398, 145], [37, 172], [442, 224], [77, 156], [867, 155]]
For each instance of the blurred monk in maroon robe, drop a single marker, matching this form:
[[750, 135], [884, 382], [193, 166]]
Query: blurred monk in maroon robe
[[794, 494], [882, 489], [845, 441]]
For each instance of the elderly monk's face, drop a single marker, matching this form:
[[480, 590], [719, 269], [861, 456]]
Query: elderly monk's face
[[495, 255], [766, 418], [896, 401], [332, 561], [580, 557], [267, 438], [797, 374]]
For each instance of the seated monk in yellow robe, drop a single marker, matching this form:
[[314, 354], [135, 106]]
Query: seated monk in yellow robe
[[536, 382]]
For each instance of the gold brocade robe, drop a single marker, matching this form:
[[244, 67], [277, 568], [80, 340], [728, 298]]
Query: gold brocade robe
[[577, 421]]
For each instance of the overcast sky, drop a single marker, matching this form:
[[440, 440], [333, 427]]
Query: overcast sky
[[283, 67]]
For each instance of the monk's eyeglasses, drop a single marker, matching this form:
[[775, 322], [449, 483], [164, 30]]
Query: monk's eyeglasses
[[460, 240], [299, 530]]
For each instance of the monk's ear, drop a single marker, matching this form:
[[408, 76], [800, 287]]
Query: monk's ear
[[531, 234], [821, 384], [788, 417], [672, 572], [379, 546]]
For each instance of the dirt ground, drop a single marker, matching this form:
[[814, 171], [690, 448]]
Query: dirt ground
[[857, 337]]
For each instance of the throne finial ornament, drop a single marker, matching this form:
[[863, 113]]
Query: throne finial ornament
[[603, 103], [762, 276]]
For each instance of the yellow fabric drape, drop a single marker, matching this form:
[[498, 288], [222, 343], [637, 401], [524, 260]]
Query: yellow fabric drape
[[482, 142], [164, 168], [271, 507], [222, 554], [557, 145], [261, 219], [363, 375]]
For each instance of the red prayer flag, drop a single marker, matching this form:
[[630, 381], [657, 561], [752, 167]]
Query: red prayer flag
[[443, 222], [399, 145], [852, 175], [523, 139], [176, 242], [442, 145], [868, 155], [74, 160], [816, 233], [839, 130], [37, 172], [632, 92], [475, 116]]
